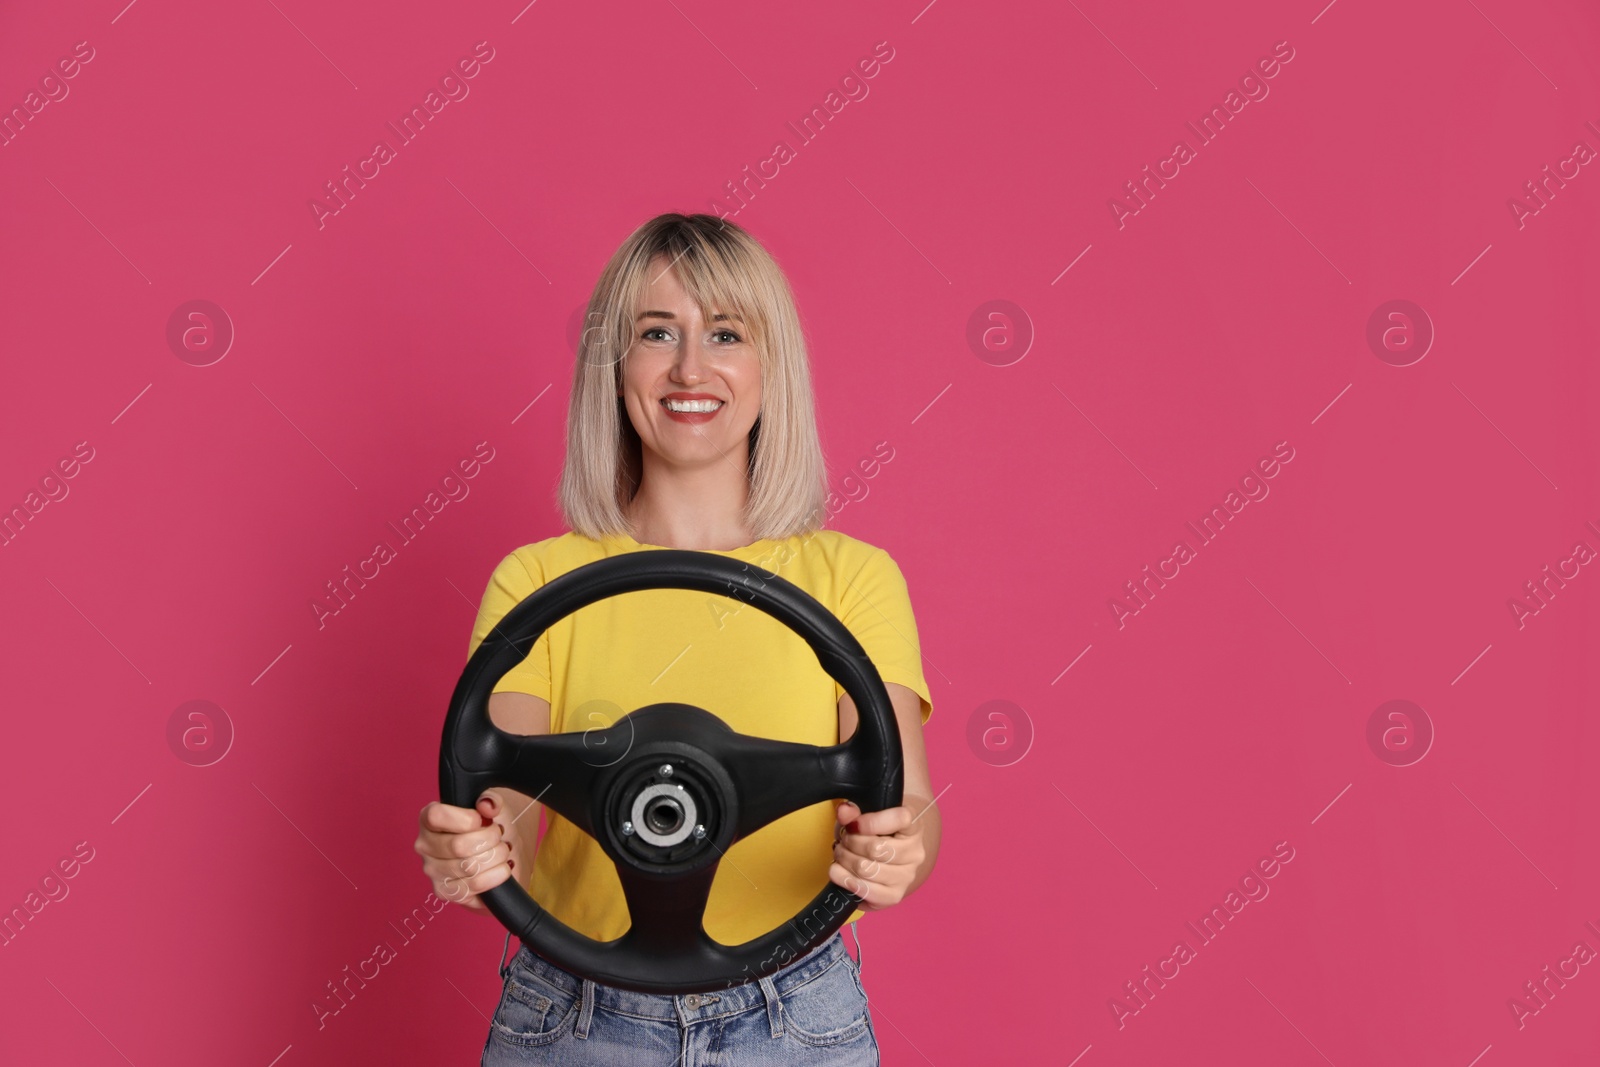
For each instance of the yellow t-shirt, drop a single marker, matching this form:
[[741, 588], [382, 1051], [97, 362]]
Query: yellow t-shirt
[[721, 654]]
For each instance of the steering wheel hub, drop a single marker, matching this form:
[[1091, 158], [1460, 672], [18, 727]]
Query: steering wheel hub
[[663, 814]]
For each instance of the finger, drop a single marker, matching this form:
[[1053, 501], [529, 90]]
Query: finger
[[472, 843], [467, 866], [859, 886], [481, 880], [487, 880], [490, 805], [449, 819], [449, 846], [850, 861], [455, 893], [883, 869], [459, 880], [874, 850], [445, 846], [459, 870], [866, 846], [458, 893], [885, 822]]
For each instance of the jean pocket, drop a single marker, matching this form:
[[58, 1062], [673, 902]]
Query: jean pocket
[[531, 1011], [828, 1010]]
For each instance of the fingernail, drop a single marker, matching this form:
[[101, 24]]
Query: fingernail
[[486, 820]]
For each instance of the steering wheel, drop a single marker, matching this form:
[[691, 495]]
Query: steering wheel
[[685, 789]]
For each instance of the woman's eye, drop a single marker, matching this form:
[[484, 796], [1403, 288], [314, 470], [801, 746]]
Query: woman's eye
[[661, 333]]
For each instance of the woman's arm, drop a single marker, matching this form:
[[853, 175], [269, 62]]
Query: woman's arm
[[922, 829], [519, 713]]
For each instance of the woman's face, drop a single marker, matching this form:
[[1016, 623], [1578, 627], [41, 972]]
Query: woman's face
[[677, 356]]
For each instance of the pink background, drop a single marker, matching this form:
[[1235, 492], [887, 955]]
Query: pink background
[[1229, 314]]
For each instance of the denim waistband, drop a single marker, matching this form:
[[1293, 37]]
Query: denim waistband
[[730, 1001]]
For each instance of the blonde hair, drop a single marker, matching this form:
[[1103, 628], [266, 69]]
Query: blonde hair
[[723, 269]]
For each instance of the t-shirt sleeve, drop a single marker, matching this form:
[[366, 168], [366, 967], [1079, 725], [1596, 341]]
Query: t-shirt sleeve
[[877, 610], [511, 583]]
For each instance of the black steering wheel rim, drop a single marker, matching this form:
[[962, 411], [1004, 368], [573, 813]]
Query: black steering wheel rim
[[730, 784]]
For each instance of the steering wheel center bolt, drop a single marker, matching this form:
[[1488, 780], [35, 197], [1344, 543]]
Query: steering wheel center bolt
[[666, 770], [627, 828], [699, 831]]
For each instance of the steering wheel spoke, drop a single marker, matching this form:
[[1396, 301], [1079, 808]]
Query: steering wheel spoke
[[774, 778], [555, 770], [667, 913]]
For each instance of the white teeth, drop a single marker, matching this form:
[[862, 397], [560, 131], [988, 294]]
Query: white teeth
[[693, 405]]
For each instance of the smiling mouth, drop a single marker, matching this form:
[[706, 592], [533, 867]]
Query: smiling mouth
[[691, 407]]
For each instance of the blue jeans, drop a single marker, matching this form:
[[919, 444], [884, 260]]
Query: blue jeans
[[813, 1011]]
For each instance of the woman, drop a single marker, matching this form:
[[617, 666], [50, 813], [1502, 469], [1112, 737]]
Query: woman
[[691, 426]]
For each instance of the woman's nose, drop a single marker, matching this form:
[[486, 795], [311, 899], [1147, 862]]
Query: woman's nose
[[690, 366]]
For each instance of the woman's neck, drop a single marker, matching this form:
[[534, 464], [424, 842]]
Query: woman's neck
[[709, 520]]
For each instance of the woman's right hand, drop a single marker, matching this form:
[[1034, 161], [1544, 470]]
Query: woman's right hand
[[466, 851]]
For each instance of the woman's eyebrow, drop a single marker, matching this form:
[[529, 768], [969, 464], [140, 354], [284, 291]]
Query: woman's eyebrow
[[719, 317]]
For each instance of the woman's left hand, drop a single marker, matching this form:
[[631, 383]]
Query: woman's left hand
[[876, 854]]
